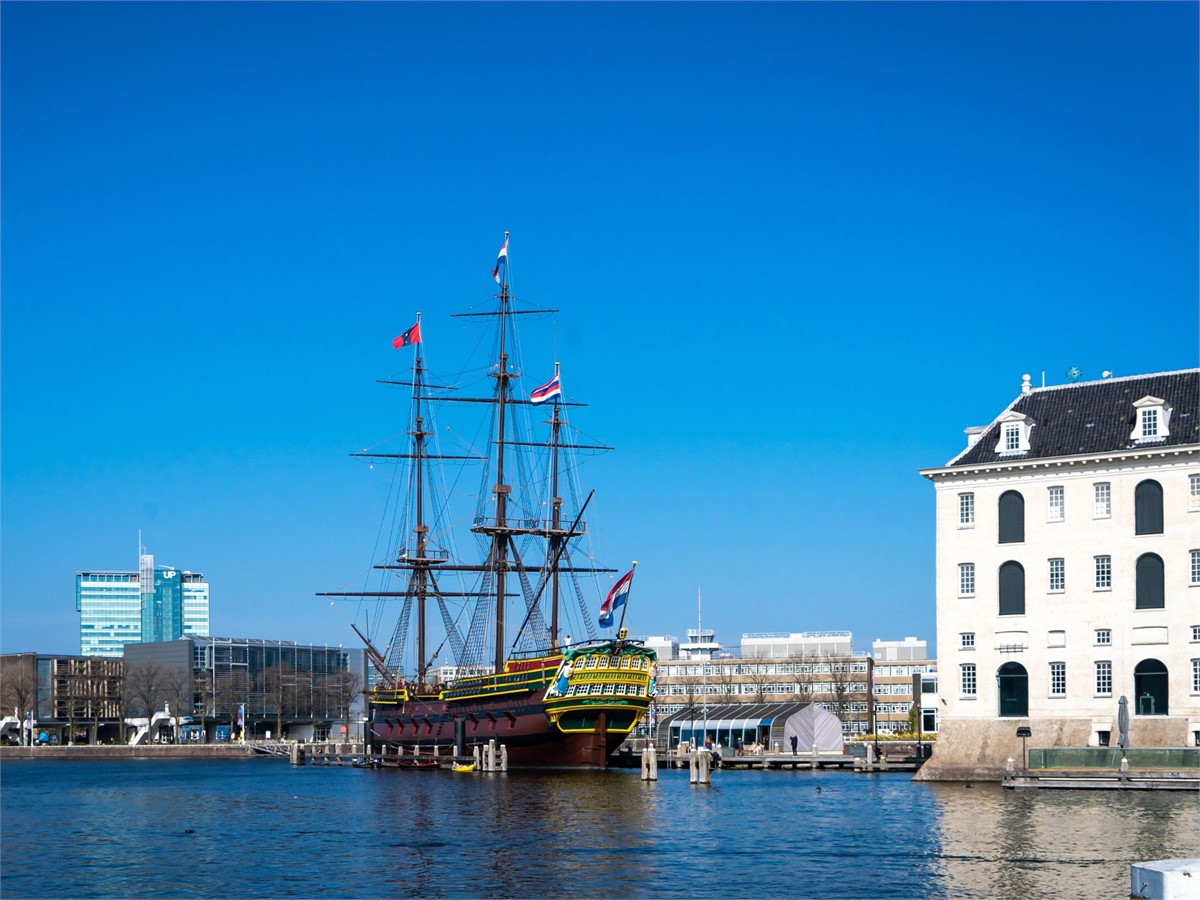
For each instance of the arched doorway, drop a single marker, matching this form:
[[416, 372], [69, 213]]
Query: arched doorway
[[1013, 681], [1150, 688]]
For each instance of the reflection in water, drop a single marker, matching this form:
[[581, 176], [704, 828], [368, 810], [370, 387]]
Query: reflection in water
[[997, 843], [259, 828]]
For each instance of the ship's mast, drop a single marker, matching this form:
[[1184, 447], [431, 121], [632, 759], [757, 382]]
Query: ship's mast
[[420, 529], [556, 537], [502, 490]]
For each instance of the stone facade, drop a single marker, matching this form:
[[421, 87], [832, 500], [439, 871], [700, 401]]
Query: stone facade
[[1068, 571]]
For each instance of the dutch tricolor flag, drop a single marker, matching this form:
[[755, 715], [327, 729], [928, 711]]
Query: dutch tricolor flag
[[552, 388], [501, 259], [616, 597]]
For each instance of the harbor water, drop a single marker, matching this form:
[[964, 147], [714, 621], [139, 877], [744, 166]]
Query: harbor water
[[262, 828]]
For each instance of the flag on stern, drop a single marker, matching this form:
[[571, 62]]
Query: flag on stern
[[412, 336], [501, 259], [549, 390], [616, 597]]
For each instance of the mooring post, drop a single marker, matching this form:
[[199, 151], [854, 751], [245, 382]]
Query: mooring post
[[504, 757], [297, 755], [693, 767], [705, 766]]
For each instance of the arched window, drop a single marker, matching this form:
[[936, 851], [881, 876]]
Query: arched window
[[1012, 518], [1013, 682], [1150, 592], [1012, 589], [1150, 687], [1147, 508]]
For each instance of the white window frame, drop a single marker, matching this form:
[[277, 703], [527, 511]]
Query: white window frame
[[1194, 493], [1102, 500], [966, 510], [1058, 679], [968, 680], [1012, 437], [967, 640], [1103, 678], [1103, 637], [1103, 573], [1015, 429], [1196, 676], [966, 579], [1153, 420], [1195, 555], [1056, 504], [1057, 582]]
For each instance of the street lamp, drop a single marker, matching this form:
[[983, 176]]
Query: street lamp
[[1024, 732]]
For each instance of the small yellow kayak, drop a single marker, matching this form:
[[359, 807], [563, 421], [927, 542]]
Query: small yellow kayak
[[466, 767]]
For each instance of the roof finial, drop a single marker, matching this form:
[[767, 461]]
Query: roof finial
[[1026, 387]]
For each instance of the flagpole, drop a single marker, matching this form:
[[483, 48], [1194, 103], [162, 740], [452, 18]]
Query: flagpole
[[504, 285], [625, 605]]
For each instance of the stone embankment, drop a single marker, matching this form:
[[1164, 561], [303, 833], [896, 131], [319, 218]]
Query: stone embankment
[[121, 751]]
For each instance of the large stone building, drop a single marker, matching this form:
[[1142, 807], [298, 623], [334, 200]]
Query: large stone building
[[1068, 570]]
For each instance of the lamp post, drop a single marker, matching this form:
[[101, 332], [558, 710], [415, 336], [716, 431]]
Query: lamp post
[[1023, 732]]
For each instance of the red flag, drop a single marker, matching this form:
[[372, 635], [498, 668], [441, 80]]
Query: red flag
[[412, 336]]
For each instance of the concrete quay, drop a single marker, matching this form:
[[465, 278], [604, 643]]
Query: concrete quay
[[125, 751]]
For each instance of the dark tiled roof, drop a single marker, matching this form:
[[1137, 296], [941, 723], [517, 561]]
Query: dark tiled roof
[[1095, 417]]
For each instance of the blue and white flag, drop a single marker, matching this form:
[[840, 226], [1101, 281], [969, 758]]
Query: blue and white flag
[[549, 390], [616, 597]]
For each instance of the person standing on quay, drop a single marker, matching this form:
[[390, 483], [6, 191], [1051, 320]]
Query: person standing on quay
[[795, 741]]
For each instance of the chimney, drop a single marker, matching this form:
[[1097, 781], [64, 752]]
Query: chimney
[[974, 433]]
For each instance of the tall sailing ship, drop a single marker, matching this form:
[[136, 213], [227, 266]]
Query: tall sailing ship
[[506, 667]]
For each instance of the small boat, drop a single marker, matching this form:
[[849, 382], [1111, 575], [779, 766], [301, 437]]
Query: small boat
[[416, 763], [362, 762], [465, 767]]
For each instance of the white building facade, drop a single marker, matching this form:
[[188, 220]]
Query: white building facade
[[1068, 565]]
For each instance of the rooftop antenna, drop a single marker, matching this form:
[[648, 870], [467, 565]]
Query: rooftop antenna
[[1106, 374], [1074, 374]]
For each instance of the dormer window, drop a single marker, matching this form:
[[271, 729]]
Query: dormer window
[[1012, 437], [1153, 419], [1014, 434]]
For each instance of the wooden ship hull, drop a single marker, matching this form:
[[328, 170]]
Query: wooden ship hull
[[571, 709]]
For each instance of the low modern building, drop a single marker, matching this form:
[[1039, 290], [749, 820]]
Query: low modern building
[[1068, 571], [735, 728], [819, 668], [71, 699], [245, 688], [903, 670], [155, 603]]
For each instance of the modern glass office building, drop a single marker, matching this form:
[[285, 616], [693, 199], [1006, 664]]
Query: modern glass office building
[[155, 603]]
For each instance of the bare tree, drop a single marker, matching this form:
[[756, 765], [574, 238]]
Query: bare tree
[[803, 681], [231, 689], [760, 676], [727, 682], [345, 687], [145, 689], [18, 686], [179, 686], [278, 684]]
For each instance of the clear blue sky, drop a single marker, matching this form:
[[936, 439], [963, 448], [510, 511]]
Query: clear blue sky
[[797, 249]]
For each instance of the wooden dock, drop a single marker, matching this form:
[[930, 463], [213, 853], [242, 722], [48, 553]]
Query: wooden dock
[[673, 759]]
